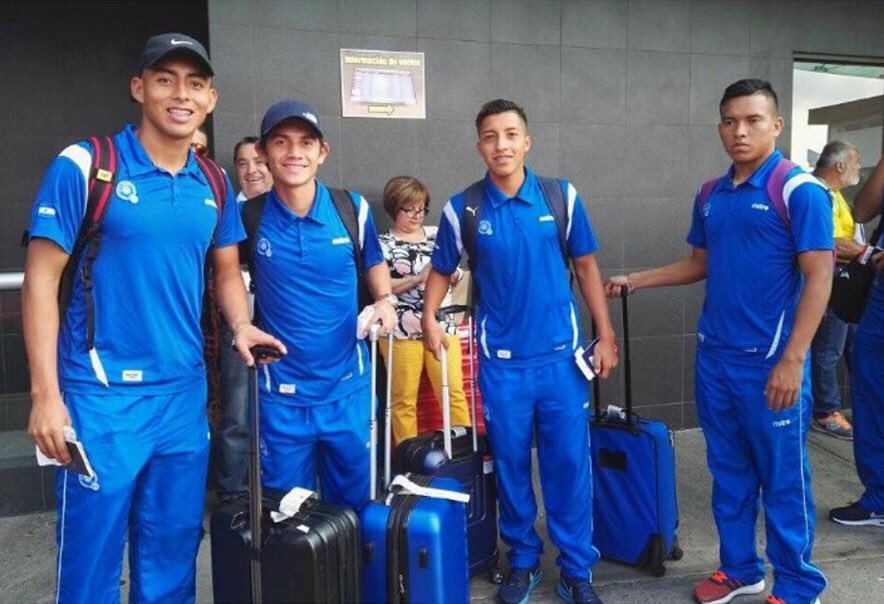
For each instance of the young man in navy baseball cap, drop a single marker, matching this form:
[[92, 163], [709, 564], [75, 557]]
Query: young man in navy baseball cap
[[124, 364], [316, 402]]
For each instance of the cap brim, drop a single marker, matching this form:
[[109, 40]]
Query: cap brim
[[291, 118], [186, 52]]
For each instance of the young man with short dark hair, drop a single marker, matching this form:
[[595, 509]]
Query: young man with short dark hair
[[136, 393], [766, 256], [527, 326], [315, 402]]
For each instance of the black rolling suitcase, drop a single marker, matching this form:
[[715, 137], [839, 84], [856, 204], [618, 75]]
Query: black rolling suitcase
[[312, 556], [461, 453]]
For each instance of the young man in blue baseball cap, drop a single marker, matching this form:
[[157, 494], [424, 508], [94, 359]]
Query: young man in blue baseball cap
[[762, 239], [124, 364], [527, 325], [306, 268]]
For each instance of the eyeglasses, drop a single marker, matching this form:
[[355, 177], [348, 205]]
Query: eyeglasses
[[200, 149], [413, 212]]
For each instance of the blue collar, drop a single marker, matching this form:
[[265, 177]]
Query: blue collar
[[138, 162], [527, 193], [318, 211], [759, 177]]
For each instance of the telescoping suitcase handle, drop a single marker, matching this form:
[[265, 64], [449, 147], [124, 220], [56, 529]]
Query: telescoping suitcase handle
[[259, 353], [373, 335], [627, 369], [443, 315]]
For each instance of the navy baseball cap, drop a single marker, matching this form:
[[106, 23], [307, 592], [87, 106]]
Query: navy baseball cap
[[159, 47], [290, 109]]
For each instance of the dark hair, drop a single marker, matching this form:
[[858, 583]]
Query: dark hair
[[399, 190], [496, 107], [246, 140], [749, 87]]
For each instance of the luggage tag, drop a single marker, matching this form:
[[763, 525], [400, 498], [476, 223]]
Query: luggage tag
[[291, 504], [583, 358]]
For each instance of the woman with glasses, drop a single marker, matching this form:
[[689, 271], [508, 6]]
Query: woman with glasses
[[407, 248]]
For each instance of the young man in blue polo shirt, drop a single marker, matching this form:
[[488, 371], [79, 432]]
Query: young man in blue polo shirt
[[315, 402], [137, 397], [768, 276], [528, 330]]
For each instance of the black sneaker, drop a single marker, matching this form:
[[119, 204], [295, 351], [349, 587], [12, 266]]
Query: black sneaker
[[856, 515], [575, 590], [518, 585]]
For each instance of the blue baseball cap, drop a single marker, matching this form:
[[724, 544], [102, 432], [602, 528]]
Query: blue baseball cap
[[290, 109], [159, 47]]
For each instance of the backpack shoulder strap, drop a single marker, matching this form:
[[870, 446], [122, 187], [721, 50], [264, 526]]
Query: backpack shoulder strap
[[251, 219], [346, 208], [469, 220], [217, 181], [706, 191], [776, 188], [100, 187], [558, 207]]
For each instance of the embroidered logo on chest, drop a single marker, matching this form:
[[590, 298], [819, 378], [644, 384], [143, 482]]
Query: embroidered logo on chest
[[126, 191], [485, 228], [263, 247]]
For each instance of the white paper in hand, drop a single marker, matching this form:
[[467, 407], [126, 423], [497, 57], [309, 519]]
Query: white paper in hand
[[583, 358]]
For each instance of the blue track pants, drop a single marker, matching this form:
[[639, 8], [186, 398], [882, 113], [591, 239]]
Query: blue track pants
[[330, 440], [552, 400], [150, 456], [754, 451]]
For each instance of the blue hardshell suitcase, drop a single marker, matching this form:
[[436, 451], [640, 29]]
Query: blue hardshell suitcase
[[414, 546], [635, 511], [467, 458]]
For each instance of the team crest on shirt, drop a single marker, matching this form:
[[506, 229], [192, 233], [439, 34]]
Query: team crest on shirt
[[485, 228], [263, 247], [89, 483], [126, 191]]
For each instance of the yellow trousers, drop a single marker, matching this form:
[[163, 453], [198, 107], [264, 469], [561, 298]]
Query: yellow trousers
[[409, 360]]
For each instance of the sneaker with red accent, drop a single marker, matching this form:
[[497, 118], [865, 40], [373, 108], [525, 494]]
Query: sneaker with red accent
[[833, 424], [719, 588]]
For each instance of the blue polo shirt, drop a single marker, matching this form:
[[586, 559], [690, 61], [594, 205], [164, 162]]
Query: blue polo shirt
[[526, 314], [306, 284], [148, 275], [752, 278]]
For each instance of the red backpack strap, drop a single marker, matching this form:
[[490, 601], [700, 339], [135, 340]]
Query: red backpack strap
[[775, 190], [100, 187], [217, 181]]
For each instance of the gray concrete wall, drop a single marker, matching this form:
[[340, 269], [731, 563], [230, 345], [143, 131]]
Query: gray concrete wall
[[621, 98]]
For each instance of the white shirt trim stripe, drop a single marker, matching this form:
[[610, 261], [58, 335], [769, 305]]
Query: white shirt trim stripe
[[572, 199], [363, 216], [454, 220], [776, 340], [574, 329], [795, 182], [484, 340], [97, 367], [83, 160]]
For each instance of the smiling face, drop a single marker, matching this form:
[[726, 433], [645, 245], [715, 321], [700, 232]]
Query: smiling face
[[749, 128], [175, 95], [254, 177], [293, 152], [503, 144]]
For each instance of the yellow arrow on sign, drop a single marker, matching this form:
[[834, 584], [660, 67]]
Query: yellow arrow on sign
[[388, 109]]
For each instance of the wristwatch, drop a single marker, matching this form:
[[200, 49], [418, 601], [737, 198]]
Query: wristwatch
[[390, 299]]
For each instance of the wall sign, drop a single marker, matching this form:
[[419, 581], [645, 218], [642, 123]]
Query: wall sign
[[383, 84]]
